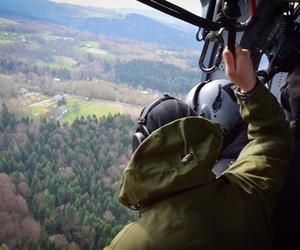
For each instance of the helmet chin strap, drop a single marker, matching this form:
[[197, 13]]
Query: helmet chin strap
[[218, 101]]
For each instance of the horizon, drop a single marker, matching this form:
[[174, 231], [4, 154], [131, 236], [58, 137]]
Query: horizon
[[133, 4]]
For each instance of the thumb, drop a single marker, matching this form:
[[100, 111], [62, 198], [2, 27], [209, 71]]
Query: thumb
[[229, 61]]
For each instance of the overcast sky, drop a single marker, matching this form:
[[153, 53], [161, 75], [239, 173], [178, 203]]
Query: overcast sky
[[191, 5]]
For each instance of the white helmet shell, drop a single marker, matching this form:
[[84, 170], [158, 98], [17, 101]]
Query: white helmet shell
[[215, 100]]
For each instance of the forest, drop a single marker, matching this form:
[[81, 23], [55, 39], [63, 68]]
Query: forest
[[156, 75], [59, 182], [144, 73]]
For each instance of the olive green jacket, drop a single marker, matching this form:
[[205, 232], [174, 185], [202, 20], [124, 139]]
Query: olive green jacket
[[183, 206]]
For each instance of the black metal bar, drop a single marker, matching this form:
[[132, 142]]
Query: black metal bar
[[231, 39], [209, 15], [182, 14]]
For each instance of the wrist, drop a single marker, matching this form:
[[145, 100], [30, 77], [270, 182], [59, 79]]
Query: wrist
[[251, 93], [249, 87]]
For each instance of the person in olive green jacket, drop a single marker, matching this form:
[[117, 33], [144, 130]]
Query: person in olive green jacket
[[182, 205]]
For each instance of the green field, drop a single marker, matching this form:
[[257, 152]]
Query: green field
[[91, 44], [94, 48], [5, 42], [84, 45], [78, 107], [37, 106], [8, 38]]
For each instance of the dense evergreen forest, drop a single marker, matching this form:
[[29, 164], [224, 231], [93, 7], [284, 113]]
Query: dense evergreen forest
[[156, 75], [58, 182]]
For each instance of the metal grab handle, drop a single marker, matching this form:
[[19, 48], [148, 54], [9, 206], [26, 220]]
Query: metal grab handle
[[243, 26], [212, 37]]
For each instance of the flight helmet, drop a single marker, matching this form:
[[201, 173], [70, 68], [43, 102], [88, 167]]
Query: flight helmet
[[215, 101], [157, 114]]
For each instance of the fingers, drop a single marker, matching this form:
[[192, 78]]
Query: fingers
[[239, 69], [240, 55], [238, 49], [243, 53], [229, 61]]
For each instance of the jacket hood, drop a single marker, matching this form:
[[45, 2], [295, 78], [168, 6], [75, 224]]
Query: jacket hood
[[156, 169]]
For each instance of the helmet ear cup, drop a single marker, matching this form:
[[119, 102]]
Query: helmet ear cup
[[137, 139], [140, 135]]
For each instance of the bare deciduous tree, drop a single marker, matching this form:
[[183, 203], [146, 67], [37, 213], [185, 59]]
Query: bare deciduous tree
[[17, 227]]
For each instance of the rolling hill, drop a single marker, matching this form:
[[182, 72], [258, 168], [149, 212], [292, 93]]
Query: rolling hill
[[100, 21]]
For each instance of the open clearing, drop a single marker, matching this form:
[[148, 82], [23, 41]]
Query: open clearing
[[37, 106], [80, 106]]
